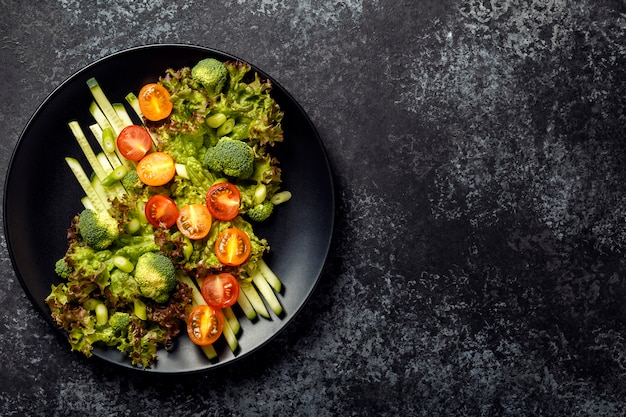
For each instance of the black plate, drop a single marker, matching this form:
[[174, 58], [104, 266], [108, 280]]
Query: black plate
[[41, 196]]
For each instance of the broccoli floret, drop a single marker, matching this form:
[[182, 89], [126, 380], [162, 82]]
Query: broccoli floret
[[122, 287], [119, 322], [211, 73], [62, 268], [231, 157], [99, 230], [261, 211], [156, 276], [131, 181]]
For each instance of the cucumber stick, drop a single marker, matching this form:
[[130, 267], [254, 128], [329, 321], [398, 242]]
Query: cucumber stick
[[232, 320], [270, 276], [245, 305], [229, 335], [268, 293], [105, 105], [84, 182], [254, 298]]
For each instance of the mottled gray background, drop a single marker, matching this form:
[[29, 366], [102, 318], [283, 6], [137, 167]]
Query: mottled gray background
[[478, 152]]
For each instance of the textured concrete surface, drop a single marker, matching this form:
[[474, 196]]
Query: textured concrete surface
[[478, 150]]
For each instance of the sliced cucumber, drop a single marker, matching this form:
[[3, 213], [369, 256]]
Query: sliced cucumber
[[254, 298], [268, 293]]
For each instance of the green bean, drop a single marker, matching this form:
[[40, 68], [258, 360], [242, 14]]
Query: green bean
[[102, 314], [91, 304], [216, 120], [108, 140], [140, 309], [226, 128], [123, 264], [115, 175], [133, 226], [260, 193], [281, 197], [187, 249]]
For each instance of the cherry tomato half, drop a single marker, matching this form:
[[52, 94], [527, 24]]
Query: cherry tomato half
[[156, 168], [194, 221], [220, 290], [223, 199], [205, 325], [161, 211], [154, 102], [134, 142], [232, 247]]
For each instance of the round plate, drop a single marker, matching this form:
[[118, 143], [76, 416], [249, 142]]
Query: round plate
[[42, 196]]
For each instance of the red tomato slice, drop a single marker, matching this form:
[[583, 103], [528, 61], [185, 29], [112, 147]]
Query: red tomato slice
[[223, 199], [156, 168], [161, 211], [154, 102], [194, 221], [134, 142], [220, 290], [232, 247], [205, 325]]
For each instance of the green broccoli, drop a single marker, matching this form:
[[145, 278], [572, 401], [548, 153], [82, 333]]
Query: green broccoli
[[231, 157], [131, 181], [261, 211], [98, 229], [119, 322], [62, 268], [123, 287], [156, 276], [211, 73]]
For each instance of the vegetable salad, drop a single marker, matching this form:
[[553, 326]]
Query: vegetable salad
[[165, 244]]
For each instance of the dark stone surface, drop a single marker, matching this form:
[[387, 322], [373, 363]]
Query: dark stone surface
[[478, 151]]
